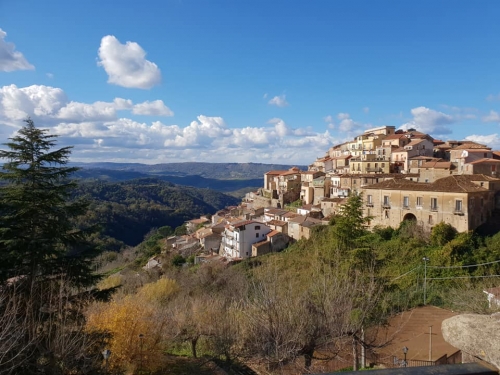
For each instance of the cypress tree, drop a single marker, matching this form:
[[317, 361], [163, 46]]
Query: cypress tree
[[38, 238]]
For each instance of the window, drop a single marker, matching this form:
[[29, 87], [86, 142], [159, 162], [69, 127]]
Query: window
[[419, 201], [256, 235], [406, 202], [383, 165], [386, 201], [458, 205], [257, 227], [387, 214], [493, 168], [430, 219], [434, 204]]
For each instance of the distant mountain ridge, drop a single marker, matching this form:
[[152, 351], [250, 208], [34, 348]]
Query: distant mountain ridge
[[219, 171]]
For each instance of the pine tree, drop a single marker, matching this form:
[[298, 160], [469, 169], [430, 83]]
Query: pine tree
[[38, 239]]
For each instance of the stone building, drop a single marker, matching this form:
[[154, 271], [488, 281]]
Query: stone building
[[463, 201]]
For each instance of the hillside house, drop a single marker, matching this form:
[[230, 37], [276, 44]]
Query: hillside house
[[300, 226], [486, 166], [238, 238], [463, 201], [307, 186], [274, 242]]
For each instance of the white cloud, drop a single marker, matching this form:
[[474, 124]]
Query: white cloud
[[10, 59], [493, 116], [49, 75], [98, 133], [492, 97], [154, 108], [330, 122], [429, 121], [126, 64], [279, 101], [347, 124], [366, 110]]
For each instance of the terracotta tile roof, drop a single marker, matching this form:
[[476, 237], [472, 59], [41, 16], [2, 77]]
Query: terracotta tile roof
[[496, 154], [273, 233], [242, 223], [485, 161], [438, 164], [276, 173], [394, 136], [291, 214], [276, 222], [414, 142], [443, 146], [452, 184], [470, 146], [258, 244], [275, 211]]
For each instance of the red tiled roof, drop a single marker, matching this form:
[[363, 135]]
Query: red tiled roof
[[276, 173], [277, 222], [472, 146], [485, 161], [272, 233], [453, 184], [394, 136], [438, 164]]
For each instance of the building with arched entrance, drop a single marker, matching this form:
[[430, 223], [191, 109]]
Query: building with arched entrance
[[463, 201]]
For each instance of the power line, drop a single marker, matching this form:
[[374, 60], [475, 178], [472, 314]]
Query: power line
[[460, 277], [470, 265], [400, 276]]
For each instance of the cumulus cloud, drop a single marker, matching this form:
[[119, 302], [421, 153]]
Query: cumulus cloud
[[429, 121], [10, 59], [98, 133], [492, 97], [126, 64], [279, 101], [329, 121], [493, 116], [347, 124], [154, 108], [51, 105]]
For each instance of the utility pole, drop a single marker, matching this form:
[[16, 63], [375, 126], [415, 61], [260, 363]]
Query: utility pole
[[425, 259]]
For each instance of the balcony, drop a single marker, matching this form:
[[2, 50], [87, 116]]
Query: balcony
[[459, 212], [369, 204], [434, 208], [374, 170], [406, 207], [386, 205]]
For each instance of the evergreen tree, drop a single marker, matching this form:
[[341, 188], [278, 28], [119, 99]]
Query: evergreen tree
[[350, 225], [38, 239]]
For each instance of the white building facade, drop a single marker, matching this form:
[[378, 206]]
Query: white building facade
[[238, 238]]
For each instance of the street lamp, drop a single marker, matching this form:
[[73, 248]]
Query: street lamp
[[141, 338], [405, 350], [425, 259], [106, 354]]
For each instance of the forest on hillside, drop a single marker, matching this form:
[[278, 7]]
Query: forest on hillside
[[127, 211], [295, 311]]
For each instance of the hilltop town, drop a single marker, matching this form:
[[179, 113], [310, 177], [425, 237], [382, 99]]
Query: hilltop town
[[401, 175]]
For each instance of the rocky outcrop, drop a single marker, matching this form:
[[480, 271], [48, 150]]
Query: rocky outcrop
[[478, 335]]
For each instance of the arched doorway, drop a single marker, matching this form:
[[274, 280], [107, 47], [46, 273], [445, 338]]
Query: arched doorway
[[409, 217]]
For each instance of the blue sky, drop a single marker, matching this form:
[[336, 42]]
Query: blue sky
[[246, 80]]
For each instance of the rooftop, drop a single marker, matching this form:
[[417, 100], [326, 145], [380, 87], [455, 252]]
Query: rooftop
[[452, 184]]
